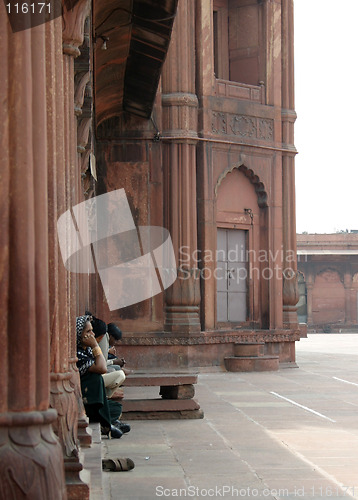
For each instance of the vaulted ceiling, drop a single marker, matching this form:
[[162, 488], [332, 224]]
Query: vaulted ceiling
[[131, 42]]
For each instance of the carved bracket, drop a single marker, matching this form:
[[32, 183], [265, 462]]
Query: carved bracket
[[73, 26]]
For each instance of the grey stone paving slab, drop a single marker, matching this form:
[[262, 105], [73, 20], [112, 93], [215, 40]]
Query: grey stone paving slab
[[251, 439]]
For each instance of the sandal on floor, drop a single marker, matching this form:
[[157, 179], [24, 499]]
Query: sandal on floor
[[117, 464]]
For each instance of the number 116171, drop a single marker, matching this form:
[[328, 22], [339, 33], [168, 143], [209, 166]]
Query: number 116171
[[28, 8]]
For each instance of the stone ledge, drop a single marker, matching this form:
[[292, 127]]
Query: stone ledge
[[209, 337], [138, 380]]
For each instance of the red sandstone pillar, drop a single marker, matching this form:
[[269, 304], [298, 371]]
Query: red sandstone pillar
[[180, 109], [309, 288], [30, 454], [290, 287], [72, 35], [205, 84], [64, 393]]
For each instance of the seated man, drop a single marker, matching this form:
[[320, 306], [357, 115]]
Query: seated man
[[91, 365], [113, 378], [115, 334]]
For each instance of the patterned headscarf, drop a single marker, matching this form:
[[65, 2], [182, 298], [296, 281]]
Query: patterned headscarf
[[80, 324]]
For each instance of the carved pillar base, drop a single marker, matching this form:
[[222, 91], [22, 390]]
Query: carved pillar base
[[182, 311], [290, 320], [33, 457], [63, 400], [182, 319], [76, 488], [84, 432]]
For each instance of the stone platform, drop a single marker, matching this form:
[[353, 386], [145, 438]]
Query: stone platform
[[250, 357], [176, 401]]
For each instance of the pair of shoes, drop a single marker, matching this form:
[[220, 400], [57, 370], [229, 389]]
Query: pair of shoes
[[117, 464], [122, 426], [111, 432]]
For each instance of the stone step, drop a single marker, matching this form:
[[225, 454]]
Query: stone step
[[160, 409], [251, 363], [249, 349], [164, 415], [160, 379], [159, 405]]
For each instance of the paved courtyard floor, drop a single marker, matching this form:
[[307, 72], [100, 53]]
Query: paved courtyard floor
[[289, 434]]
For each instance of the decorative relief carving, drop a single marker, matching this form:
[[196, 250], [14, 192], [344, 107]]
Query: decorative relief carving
[[220, 338], [81, 80], [83, 132], [218, 125], [63, 400], [242, 126], [33, 457], [265, 129]]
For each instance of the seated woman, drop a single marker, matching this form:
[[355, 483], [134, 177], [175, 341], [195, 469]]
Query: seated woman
[[91, 365]]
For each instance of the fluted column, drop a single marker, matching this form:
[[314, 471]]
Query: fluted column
[[30, 454], [180, 122], [72, 37], [64, 391], [290, 277]]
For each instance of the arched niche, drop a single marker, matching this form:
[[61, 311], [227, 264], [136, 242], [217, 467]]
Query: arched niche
[[328, 298], [242, 249]]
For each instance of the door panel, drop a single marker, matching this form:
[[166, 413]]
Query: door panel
[[222, 246], [231, 275], [237, 277], [222, 306], [236, 307], [221, 277], [236, 244]]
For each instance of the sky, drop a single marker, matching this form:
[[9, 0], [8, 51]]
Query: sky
[[326, 129]]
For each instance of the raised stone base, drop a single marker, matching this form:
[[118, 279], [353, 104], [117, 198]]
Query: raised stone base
[[252, 363], [165, 352], [250, 357]]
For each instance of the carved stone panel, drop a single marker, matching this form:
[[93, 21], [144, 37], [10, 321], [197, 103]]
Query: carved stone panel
[[242, 126]]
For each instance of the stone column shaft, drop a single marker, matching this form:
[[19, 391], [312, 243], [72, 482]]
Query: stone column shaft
[[290, 286], [180, 122], [72, 36], [30, 454]]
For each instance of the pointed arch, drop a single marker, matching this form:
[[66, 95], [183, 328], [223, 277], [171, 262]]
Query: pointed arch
[[255, 180]]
